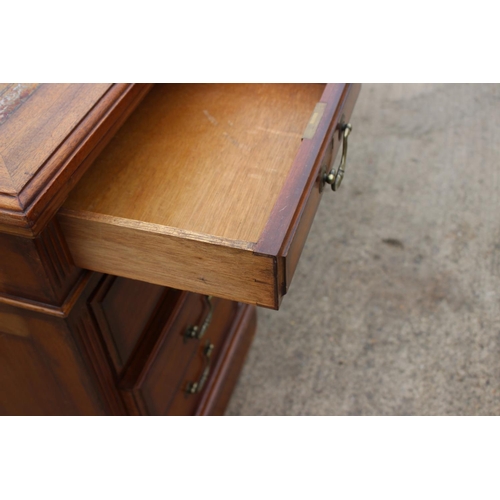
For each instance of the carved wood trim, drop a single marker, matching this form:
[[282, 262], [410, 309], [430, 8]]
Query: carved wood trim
[[28, 211], [86, 333], [61, 311], [55, 257], [95, 303], [134, 403]]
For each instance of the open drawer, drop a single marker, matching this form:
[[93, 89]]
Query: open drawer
[[210, 188]]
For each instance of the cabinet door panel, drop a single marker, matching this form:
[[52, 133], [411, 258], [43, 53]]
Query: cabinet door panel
[[42, 369]]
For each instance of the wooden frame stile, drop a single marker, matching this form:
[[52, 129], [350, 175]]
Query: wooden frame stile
[[87, 336], [146, 353], [220, 386]]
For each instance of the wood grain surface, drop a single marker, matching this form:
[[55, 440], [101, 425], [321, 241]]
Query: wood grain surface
[[147, 211], [39, 126], [169, 257], [49, 135], [13, 95], [43, 368], [122, 309], [39, 269], [205, 158]]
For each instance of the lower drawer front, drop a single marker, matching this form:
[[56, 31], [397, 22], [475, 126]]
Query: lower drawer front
[[179, 365], [200, 369]]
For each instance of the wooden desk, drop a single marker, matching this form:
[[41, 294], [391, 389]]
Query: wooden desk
[[139, 228]]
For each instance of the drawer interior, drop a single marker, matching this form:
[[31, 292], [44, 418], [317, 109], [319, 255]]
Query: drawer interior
[[208, 158]]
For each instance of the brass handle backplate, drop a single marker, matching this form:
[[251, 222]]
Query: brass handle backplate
[[197, 332], [194, 387], [335, 177]]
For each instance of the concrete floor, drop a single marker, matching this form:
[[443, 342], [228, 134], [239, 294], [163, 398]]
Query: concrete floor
[[395, 306]]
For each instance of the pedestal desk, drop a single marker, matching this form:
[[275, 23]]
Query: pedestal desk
[[141, 225]]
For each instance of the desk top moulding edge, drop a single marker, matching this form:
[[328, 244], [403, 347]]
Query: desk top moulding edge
[[41, 159]]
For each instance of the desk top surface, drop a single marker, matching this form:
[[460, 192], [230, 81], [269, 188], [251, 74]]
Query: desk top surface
[[46, 131]]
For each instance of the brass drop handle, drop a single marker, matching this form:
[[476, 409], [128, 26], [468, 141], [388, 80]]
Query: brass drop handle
[[334, 178], [194, 387], [197, 332]]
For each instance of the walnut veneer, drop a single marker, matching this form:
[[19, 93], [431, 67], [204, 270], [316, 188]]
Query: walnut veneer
[[184, 207]]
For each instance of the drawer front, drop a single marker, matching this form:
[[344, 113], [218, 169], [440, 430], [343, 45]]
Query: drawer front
[[210, 188], [158, 377], [289, 228], [201, 367]]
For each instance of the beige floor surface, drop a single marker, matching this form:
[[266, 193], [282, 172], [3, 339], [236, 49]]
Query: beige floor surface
[[395, 306]]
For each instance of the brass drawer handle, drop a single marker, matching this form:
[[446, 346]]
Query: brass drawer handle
[[334, 178], [194, 387], [197, 332]]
